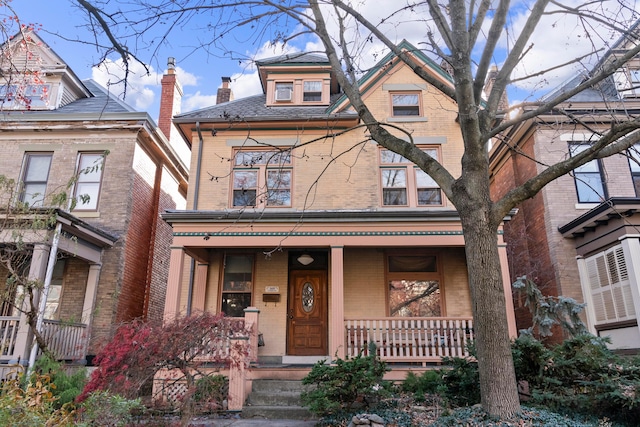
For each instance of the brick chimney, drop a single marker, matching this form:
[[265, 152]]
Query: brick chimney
[[170, 100], [224, 92], [503, 104]]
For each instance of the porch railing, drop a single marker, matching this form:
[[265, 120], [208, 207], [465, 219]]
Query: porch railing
[[415, 339], [9, 326], [217, 349], [67, 341]]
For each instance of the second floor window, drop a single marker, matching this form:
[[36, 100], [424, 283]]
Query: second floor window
[[404, 184], [261, 178], [34, 178], [590, 184], [87, 189]]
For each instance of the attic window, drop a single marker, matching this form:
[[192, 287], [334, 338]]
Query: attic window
[[405, 104], [312, 91], [284, 91], [25, 96]]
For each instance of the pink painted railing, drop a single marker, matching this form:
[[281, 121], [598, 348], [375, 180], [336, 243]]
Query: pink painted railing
[[218, 348], [414, 339]]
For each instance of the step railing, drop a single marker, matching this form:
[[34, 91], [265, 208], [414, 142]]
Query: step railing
[[65, 340], [415, 339], [9, 326]]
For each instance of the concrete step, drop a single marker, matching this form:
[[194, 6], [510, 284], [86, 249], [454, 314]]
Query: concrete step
[[276, 412], [270, 386], [283, 398], [275, 399]]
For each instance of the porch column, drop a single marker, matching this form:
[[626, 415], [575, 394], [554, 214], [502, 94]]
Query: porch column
[[586, 294], [199, 288], [336, 316], [90, 294], [174, 284], [508, 295], [37, 272], [631, 249]]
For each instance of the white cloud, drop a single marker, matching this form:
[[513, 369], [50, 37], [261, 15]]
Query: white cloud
[[140, 87], [191, 102]]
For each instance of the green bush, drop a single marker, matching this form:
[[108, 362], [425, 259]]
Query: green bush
[[32, 404], [583, 376], [210, 391], [460, 382], [350, 383], [530, 358], [65, 387], [428, 382], [105, 409]]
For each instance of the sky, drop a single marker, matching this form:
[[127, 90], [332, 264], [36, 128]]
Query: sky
[[200, 73]]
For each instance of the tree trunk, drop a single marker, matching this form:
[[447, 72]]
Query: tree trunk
[[495, 363]]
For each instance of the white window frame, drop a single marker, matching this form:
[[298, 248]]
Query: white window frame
[[33, 190], [313, 93], [89, 176]]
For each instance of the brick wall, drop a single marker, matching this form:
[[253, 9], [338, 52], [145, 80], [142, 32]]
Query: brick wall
[[74, 286]]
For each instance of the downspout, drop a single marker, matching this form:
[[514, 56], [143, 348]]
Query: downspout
[[196, 192], [53, 253]]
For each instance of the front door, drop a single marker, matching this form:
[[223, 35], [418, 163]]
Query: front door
[[307, 314]]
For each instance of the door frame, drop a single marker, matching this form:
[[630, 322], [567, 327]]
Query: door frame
[[324, 285]]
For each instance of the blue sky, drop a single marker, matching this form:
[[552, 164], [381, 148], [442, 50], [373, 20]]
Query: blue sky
[[556, 41]]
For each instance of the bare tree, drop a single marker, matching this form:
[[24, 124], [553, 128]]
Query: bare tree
[[466, 37]]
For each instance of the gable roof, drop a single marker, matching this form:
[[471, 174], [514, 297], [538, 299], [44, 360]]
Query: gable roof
[[254, 108], [385, 65]]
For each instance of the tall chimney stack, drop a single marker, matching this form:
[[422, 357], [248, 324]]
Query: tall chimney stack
[[224, 92], [170, 101]]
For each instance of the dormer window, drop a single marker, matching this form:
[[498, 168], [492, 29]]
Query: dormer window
[[25, 96], [284, 92], [312, 91]]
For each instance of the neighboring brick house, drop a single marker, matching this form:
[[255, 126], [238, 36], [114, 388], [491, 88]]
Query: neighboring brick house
[[111, 262], [578, 237], [293, 212]]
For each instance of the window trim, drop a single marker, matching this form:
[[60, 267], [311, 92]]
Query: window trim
[[420, 111], [291, 91], [23, 176], [600, 173], [100, 182], [411, 177], [223, 263], [305, 92], [437, 275], [262, 178]]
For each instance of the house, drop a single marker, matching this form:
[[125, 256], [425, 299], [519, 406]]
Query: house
[[105, 260], [578, 237], [296, 218]]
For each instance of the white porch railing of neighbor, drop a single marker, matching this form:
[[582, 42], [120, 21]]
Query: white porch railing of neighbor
[[67, 341], [411, 339], [9, 326]]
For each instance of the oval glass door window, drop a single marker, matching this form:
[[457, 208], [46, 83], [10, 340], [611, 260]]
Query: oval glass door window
[[308, 297]]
